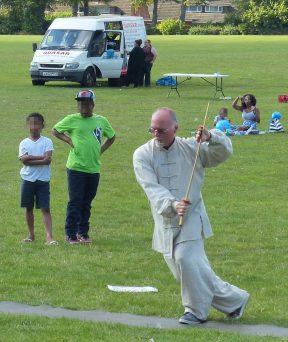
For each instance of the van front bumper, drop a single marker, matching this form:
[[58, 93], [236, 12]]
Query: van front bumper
[[57, 75]]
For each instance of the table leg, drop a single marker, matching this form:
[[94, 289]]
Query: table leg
[[174, 87], [219, 88]]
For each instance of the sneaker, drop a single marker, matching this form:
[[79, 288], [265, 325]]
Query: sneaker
[[189, 318], [72, 241], [84, 239], [238, 313]]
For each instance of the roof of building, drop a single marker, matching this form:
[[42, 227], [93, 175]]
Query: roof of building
[[166, 10]]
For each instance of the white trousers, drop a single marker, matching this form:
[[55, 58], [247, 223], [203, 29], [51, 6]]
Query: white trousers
[[201, 288]]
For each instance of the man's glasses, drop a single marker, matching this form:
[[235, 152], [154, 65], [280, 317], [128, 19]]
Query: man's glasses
[[159, 130]]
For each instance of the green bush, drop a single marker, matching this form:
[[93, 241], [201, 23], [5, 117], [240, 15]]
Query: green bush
[[53, 15], [49, 17], [245, 28], [230, 30], [152, 31], [204, 29], [4, 21], [10, 21], [172, 26], [4, 12]]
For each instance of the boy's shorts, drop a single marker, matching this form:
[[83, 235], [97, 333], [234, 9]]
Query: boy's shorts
[[31, 191]]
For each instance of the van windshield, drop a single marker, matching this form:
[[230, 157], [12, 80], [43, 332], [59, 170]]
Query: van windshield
[[66, 40]]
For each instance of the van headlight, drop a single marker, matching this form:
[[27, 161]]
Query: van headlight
[[34, 65], [72, 65]]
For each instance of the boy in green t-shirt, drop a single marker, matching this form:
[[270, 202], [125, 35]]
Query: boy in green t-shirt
[[84, 132]]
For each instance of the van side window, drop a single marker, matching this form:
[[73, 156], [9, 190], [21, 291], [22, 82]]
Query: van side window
[[98, 44], [113, 25]]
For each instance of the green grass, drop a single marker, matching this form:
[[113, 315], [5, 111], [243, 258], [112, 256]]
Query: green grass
[[246, 197], [34, 329]]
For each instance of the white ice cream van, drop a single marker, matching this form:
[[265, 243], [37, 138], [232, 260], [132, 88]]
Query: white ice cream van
[[81, 49]]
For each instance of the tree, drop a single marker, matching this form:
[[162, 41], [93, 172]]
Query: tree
[[139, 3], [15, 14], [74, 7], [34, 16], [27, 16], [85, 7], [266, 17], [259, 16], [155, 13], [75, 4], [185, 3]]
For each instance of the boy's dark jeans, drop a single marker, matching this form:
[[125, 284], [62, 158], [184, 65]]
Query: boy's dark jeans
[[82, 188]]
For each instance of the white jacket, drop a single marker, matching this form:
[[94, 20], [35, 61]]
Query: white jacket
[[164, 176]]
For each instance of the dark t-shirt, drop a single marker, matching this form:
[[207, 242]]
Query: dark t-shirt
[[136, 58]]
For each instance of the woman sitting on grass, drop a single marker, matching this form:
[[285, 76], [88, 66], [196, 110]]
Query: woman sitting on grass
[[250, 114]]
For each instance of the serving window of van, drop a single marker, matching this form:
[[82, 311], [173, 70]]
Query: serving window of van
[[113, 41], [104, 41]]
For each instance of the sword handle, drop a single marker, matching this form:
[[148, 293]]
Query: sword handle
[[181, 220]]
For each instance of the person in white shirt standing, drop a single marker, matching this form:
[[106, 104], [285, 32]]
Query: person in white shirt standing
[[35, 152]]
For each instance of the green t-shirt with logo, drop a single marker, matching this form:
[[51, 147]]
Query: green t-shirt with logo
[[86, 135]]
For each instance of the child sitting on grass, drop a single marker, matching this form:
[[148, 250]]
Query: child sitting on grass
[[275, 125], [223, 115], [35, 152]]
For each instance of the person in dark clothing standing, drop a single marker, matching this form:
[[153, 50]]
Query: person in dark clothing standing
[[135, 64]]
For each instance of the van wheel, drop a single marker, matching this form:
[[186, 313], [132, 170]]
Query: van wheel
[[37, 82], [89, 78], [114, 82]]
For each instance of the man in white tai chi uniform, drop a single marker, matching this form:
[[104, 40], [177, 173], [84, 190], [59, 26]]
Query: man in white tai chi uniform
[[163, 168]]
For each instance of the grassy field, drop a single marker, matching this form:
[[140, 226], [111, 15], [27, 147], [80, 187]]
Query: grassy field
[[246, 197], [35, 329]]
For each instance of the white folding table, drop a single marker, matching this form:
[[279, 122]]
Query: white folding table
[[217, 84]]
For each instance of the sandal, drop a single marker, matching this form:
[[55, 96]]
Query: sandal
[[28, 239], [52, 243]]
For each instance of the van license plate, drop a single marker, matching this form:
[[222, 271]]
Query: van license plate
[[50, 73]]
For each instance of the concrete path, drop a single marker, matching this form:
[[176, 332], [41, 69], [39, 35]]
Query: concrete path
[[138, 321]]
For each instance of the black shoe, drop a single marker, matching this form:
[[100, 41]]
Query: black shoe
[[85, 239], [238, 313], [72, 240], [189, 318]]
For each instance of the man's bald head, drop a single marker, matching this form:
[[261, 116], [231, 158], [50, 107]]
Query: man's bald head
[[164, 126], [167, 115]]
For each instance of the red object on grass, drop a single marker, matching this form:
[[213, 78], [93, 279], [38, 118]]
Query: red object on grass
[[283, 98]]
